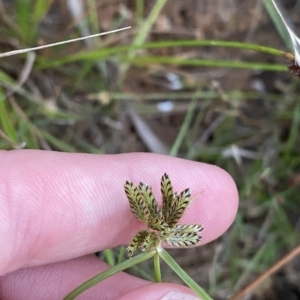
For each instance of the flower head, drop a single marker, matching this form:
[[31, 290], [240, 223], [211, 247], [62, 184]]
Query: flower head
[[160, 220]]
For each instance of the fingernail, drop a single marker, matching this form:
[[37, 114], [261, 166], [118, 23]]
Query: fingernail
[[178, 296]]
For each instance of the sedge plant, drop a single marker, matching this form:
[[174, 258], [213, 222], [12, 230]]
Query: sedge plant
[[162, 226]]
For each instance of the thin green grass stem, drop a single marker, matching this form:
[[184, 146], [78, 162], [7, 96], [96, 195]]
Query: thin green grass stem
[[121, 255], [40, 9], [143, 32], [179, 43], [157, 270], [143, 273], [294, 128], [139, 4], [277, 21], [6, 119], [182, 274], [233, 95], [184, 128], [193, 62], [146, 27], [116, 269], [109, 256], [104, 53], [58, 143], [93, 16]]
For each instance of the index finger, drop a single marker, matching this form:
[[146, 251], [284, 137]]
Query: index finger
[[56, 206]]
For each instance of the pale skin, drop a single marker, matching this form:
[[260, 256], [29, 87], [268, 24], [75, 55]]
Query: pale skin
[[56, 209]]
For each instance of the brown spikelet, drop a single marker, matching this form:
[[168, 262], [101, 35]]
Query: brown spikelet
[[178, 207], [136, 242], [147, 194], [167, 194], [184, 235], [161, 221], [137, 203], [131, 192]]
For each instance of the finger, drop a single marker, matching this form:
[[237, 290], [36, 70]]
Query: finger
[[55, 281], [57, 206], [161, 291]]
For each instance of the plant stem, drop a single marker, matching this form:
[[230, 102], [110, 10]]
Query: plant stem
[[278, 23], [182, 274], [109, 256], [145, 29], [143, 32], [104, 53], [109, 272], [184, 128], [139, 11], [181, 61], [157, 271]]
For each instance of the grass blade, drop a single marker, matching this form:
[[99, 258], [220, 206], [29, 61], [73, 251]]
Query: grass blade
[[116, 269], [279, 25], [103, 53], [183, 275], [167, 60], [184, 128], [5, 119]]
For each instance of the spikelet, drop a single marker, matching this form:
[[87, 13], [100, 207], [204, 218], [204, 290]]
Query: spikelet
[[161, 221]]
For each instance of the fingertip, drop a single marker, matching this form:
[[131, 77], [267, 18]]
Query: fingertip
[[161, 291], [217, 203]]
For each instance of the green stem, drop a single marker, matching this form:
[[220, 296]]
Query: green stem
[[180, 61], [122, 252], [139, 11], [157, 271], [233, 95], [116, 269], [184, 128], [170, 44], [278, 23], [143, 32], [182, 274], [104, 53], [109, 256]]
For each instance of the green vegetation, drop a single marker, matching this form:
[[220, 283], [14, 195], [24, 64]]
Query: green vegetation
[[71, 98]]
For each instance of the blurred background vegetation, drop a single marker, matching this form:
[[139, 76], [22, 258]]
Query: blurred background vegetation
[[165, 86]]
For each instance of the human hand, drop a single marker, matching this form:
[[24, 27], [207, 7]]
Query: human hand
[[57, 208]]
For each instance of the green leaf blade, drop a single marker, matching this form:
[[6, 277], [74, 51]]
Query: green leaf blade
[[107, 273], [182, 274]]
